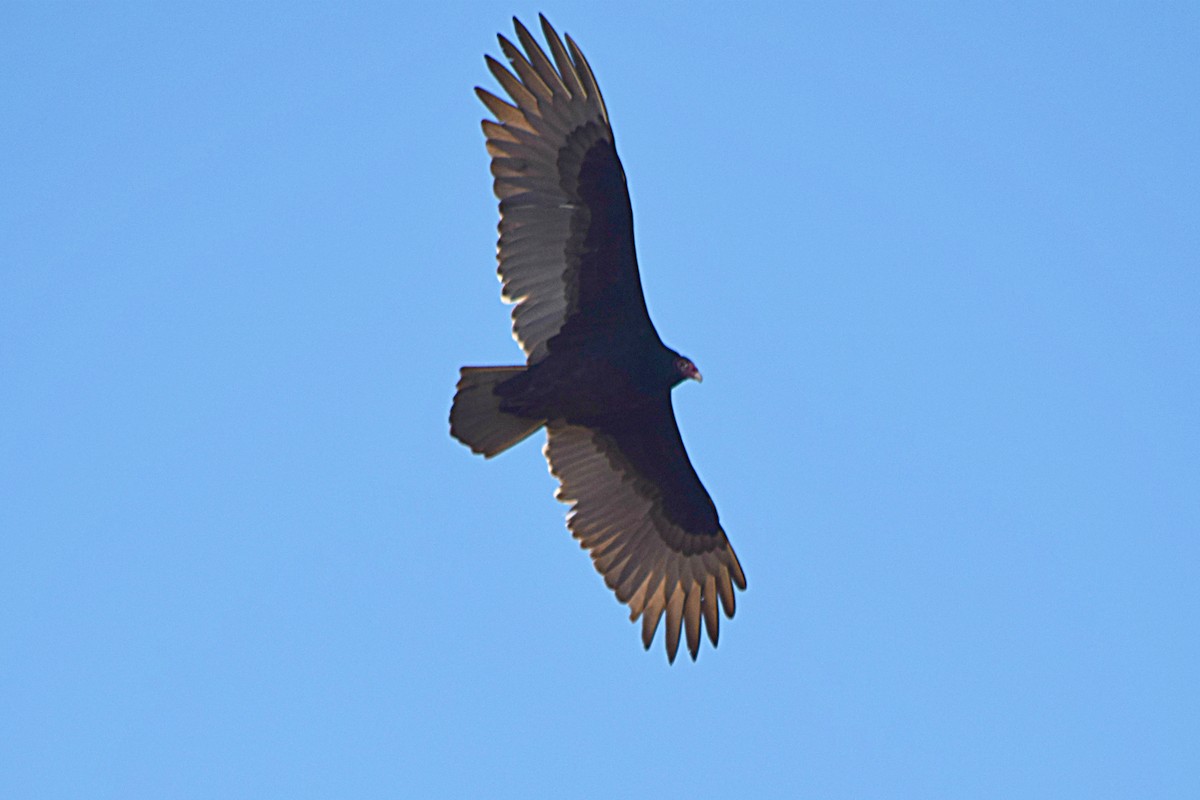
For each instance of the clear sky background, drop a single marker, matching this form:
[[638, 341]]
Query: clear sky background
[[937, 262]]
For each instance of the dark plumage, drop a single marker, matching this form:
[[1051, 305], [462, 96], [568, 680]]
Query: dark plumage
[[597, 375]]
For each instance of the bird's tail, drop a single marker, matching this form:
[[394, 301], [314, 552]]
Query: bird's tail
[[476, 419]]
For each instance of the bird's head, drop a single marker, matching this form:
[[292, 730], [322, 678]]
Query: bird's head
[[685, 369]]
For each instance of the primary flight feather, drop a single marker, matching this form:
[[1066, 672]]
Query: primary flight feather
[[597, 376]]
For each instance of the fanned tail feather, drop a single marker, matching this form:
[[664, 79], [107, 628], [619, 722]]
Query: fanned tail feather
[[476, 419]]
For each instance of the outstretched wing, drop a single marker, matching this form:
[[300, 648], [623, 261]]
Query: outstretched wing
[[651, 528], [566, 228]]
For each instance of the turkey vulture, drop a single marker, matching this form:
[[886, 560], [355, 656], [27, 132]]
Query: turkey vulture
[[597, 376]]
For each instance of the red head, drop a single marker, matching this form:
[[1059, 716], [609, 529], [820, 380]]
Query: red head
[[687, 369]]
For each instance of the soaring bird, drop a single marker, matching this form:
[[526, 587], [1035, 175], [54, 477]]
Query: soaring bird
[[596, 376]]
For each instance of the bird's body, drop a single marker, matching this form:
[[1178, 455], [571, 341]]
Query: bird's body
[[594, 382], [597, 375]]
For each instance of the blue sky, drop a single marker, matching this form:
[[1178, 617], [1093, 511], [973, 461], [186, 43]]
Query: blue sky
[[938, 264]]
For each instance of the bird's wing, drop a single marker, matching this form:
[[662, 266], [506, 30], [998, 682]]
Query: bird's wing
[[651, 528], [566, 251]]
